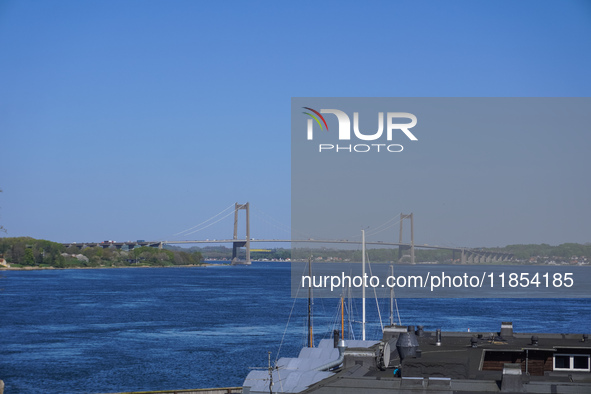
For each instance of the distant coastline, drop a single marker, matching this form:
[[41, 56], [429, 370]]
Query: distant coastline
[[227, 264], [205, 265], [26, 253]]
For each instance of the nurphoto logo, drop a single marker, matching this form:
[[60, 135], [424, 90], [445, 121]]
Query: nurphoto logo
[[344, 130]]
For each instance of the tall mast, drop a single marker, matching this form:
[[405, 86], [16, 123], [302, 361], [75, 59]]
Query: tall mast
[[310, 332], [391, 296], [270, 375], [349, 308], [342, 317], [363, 286]]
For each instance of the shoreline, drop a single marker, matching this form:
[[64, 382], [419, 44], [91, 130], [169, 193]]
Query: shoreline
[[99, 268], [205, 265]]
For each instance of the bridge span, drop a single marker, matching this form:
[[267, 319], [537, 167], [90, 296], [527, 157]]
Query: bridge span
[[466, 255]]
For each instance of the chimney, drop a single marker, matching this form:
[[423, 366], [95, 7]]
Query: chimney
[[506, 329]]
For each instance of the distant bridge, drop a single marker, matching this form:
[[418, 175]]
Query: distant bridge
[[466, 255]]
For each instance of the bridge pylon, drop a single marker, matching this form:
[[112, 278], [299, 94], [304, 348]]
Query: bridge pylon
[[240, 243], [403, 248]]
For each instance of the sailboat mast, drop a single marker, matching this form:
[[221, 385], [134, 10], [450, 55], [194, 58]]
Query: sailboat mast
[[342, 317], [391, 296], [349, 308], [363, 286], [310, 332]]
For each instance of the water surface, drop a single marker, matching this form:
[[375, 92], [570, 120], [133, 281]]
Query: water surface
[[112, 330]]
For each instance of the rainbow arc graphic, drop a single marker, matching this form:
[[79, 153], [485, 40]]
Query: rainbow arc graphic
[[316, 118]]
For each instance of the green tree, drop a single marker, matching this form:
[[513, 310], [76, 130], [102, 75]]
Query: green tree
[[72, 250], [197, 257], [29, 258], [60, 262], [182, 258], [17, 252], [109, 254], [95, 251]]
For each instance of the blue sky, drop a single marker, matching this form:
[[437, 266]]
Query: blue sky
[[137, 119]]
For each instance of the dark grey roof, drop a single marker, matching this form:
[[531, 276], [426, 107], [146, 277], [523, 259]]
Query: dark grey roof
[[454, 366], [296, 374]]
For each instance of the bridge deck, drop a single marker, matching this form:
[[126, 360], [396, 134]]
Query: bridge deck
[[320, 241]]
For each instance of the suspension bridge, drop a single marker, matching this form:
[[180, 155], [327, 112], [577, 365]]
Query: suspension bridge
[[465, 255]]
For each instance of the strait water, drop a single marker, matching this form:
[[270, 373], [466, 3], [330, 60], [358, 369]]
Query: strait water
[[112, 330]]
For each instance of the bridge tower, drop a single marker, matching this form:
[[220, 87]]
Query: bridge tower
[[241, 243], [403, 248]]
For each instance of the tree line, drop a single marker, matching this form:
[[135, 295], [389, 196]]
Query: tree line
[[31, 252], [563, 251]]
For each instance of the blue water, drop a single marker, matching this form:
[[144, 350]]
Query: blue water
[[112, 330]]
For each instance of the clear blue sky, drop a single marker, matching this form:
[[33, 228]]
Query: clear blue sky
[[137, 119]]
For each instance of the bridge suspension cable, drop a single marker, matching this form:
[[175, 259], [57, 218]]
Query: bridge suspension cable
[[277, 224], [211, 224], [186, 232], [376, 230], [260, 214]]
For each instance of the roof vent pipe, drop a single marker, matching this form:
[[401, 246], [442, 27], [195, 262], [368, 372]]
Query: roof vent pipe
[[407, 344], [420, 330], [336, 362]]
